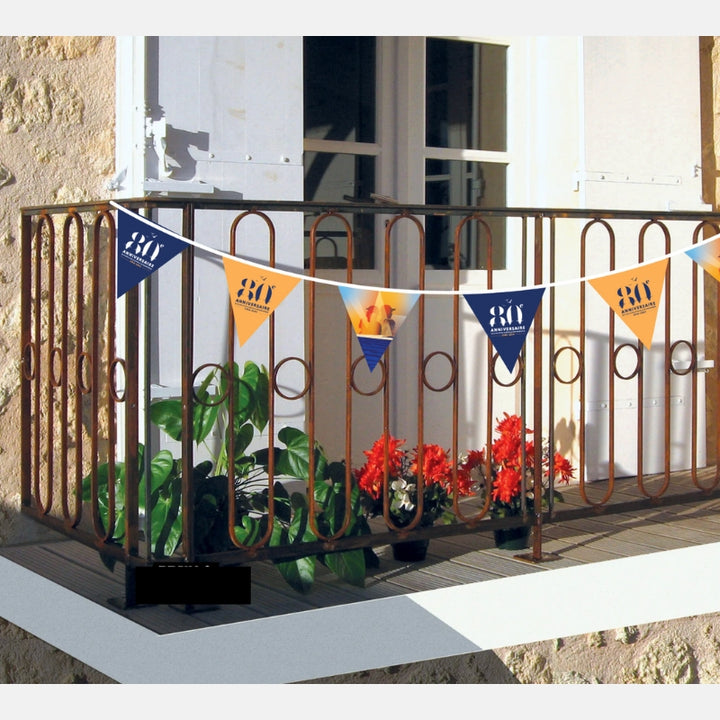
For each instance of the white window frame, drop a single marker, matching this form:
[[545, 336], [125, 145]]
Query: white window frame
[[399, 147]]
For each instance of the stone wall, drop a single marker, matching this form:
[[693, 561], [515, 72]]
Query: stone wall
[[57, 129], [683, 651]]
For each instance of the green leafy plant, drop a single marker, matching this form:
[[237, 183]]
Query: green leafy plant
[[165, 512], [246, 474]]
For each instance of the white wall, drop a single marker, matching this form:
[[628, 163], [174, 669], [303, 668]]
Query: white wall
[[224, 119], [641, 107]]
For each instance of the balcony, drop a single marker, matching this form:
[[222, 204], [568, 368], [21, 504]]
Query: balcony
[[637, 423]]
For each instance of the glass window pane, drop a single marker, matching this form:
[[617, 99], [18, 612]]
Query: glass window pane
[[463, 183], [465, 95], [336, 178], [339, 87]]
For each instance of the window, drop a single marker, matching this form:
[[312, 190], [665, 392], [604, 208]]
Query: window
[[460, 128], [465, 111], [339, 117]]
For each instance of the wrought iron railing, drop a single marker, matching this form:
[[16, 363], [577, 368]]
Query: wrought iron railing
[[90, 363]]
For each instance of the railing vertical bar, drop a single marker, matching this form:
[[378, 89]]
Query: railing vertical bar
[[640, 425], [489, 380], [349, 262], [186, 339], [717, 390], [694, 373], [538, 391], [132, 436], [38, 363], [231, 389], [50, 385], [28, 360], [668, 364], [109, 285], [80, 355], [523, 375], [551, 373], [386, 394], [456, 382], [581, 350], [420, 371], [271, 400], [147, 399], [64, 400], [611, 381], [100, 531]]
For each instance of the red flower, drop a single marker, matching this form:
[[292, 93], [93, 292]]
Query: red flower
[[562, 469], [506, 485], [475, 458], [507, 469], [436, 470], [436, 467], [370, 475]]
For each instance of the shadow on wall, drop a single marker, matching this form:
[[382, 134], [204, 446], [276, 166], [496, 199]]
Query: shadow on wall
[[18, 529]]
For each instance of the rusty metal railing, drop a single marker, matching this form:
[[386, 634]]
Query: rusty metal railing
[[85, 402]]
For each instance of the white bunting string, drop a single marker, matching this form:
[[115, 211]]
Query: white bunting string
[[468, 288]]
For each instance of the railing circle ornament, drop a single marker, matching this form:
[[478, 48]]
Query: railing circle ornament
[[56, 377], [519, 365], [638, 361], [116, 396], [308, 378], [353, 384], [579, 357], [28, 361], [221, 398], [84, 359], [453, 370], [693, 357]]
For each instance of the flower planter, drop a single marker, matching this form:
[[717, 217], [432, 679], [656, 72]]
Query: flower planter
[[516, 538], [410, 550]]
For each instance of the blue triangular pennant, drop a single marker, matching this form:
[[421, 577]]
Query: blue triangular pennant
[[142, 248], [506, 317]]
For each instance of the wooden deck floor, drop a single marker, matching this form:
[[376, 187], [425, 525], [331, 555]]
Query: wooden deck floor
[[451, 561]]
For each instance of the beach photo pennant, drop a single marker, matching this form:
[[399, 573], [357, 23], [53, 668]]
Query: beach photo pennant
[[707, 256], [634, 295], [142, 248], [506, 318], [255, 293], [376, 316]]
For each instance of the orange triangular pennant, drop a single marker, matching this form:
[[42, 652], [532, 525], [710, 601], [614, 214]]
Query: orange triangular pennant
[[634, 296], [255, 293]]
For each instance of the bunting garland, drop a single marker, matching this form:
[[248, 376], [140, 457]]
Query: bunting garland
[[376, 313]]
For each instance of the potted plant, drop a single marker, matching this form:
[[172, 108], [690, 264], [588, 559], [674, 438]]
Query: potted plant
[[247, 475], [507, 471], [404, 481]]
